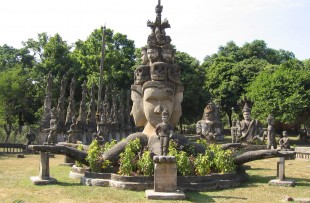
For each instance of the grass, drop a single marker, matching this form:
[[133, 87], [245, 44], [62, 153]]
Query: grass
[[15, 184]]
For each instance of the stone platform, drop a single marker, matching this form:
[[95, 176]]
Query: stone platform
[[178, 195], [39, 181], [285, 183]]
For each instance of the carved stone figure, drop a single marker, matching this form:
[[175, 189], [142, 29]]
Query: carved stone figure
[[271, 140], [72, 133], [284, 142], [251, 130], [208, 127], [30, 136], [235, 132], [164, 132], [53, 130]]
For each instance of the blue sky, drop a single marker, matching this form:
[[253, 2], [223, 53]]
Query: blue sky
[[198, 27]]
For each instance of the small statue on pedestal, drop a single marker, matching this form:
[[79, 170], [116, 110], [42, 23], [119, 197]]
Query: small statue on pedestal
[[164, 132], [73, 131], [284, 142]]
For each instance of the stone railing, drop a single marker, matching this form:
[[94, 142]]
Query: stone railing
[[12, 147]]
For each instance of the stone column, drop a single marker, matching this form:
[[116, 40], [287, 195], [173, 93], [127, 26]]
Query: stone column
[[165, 180], [281, 168], [281, 181], [44, 174]]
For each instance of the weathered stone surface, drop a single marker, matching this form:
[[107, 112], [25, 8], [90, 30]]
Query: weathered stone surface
[[20, 156], [165, 176], [39, 181], [286, 183], [178, 195]]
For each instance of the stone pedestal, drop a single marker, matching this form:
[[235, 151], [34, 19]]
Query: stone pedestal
[[165, 180], [44, 175], [281, 181]]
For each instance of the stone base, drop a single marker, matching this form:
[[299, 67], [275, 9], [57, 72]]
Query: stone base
[[66, 164], [20, 156], [285, 183], [39, 181], [177, 195]]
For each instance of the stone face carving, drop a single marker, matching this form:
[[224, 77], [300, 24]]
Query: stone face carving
[[209, 128], [271, 140], [284, 142], [164, 132], [251, 130], [53, 130]]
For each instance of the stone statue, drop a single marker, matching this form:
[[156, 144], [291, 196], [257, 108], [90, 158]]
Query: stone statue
[[284, 142], [53, 130], [209, 128], [152, 92], [164, 132], [72, 133], [235, 133], [251, 130], [271, 140], [30, 136]]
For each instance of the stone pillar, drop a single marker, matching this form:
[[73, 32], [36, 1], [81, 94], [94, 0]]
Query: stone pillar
[[165, 180], [44, 174], [281, 181], [281, 168], [165, 174], [44, 166]]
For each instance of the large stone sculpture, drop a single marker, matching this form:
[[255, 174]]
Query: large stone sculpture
[[156, 87], [251, 130], [209, 128]]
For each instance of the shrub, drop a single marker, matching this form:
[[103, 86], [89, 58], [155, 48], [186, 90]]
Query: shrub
[[77, 163], [93, 156], [145, 164], [128, 158]]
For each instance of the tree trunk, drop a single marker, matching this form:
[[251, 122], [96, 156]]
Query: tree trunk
[[8, 129], [229, 113]]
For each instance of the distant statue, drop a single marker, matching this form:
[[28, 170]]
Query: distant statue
[[209, 128], [251, 130], [271, 140], [284, 142], [30, 136], [164, 132], [53, 130], [99, 138], [73, 131], [235, 133]]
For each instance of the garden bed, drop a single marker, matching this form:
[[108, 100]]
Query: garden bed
[[186, 183]]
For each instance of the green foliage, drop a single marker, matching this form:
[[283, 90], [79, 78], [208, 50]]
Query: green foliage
[[183, 161], [222, 159], [145, 164], [282, 90], [77, 163], [93, 156], [192, 77], [203, 164], [109, 145], [128, 158]]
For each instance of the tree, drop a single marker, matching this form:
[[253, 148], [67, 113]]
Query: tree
[[195, 94], [17, 104], [118, 62], [283, 90]]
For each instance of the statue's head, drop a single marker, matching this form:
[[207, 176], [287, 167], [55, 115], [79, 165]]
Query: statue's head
[[246, 112], [165, 116], [284, 133], [208, 112], [270, 119]]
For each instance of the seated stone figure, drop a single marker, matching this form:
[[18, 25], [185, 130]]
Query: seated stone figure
[[251, 130], [284, 142], [209, 128]]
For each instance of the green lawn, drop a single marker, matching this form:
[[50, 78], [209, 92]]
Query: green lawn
[[15, 184]]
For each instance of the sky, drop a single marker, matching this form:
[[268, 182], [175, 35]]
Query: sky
[[198, 27]]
